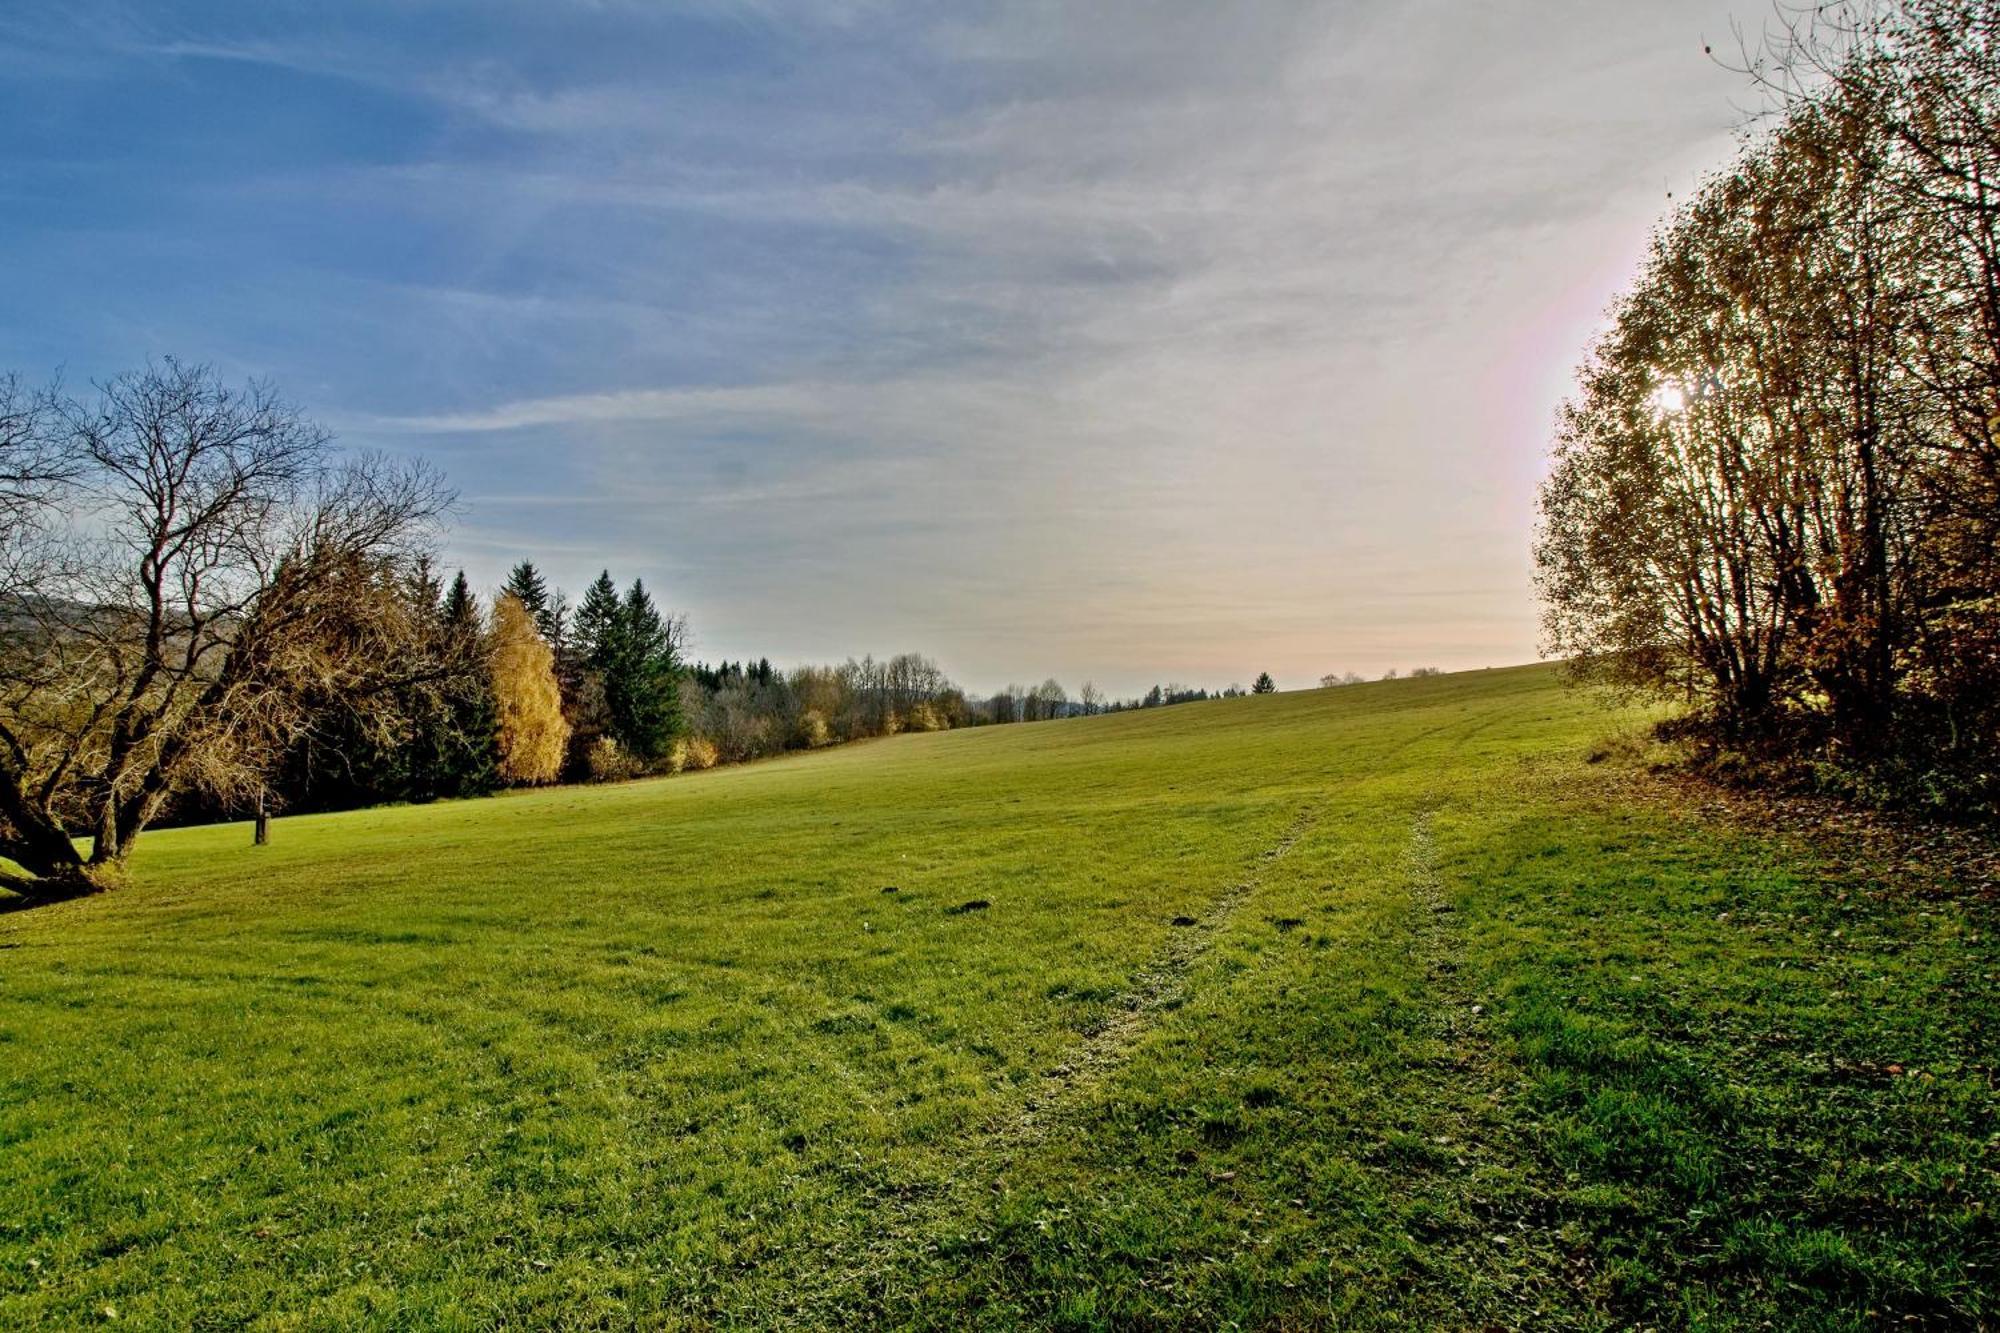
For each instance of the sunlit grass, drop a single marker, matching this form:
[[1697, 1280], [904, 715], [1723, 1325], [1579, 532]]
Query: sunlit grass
[[1483, 1044]]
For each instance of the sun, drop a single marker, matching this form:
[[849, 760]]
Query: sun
[[1669, 399]]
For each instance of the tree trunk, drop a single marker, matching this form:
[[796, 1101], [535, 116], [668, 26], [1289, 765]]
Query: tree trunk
[[107, 846], [40, 846]]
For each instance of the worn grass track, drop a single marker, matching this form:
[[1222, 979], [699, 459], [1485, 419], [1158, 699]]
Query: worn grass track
[[1159, 989], [1460, 1037]]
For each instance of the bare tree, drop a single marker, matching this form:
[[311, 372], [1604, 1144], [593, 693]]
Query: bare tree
[[31, 463], [209, 576], [1091, 698], [1009, 705], [34, 471]]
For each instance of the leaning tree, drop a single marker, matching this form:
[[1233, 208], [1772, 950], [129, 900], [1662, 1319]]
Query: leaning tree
[[190, 574]]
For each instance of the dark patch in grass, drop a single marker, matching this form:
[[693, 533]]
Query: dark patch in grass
[[360, 935], [892, 888], [111, 1247], [1219, 1131], [1287, 923], [1185, 921], [975, 905], [1069, 990], [844, 1024]]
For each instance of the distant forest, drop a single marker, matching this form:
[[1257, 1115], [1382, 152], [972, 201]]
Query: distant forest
[[601, 689], [206, 609]]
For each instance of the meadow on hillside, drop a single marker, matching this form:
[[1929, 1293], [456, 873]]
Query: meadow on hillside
[[538, 838], [1371, 1006]]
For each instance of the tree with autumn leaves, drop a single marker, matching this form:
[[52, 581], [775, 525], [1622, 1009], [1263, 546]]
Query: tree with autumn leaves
[[531, 735], [565, 694], [1775, 495]]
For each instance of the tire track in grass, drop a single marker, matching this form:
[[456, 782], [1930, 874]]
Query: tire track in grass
[[902, 1231], [1503, 1234], [853, 1278], [1161, 987]]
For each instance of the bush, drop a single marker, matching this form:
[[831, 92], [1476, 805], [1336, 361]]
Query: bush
[[693, 752], [1779, 516], [813, 731], [607, 761]]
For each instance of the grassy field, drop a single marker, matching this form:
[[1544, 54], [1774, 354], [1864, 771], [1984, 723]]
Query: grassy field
[[1377, 1006]]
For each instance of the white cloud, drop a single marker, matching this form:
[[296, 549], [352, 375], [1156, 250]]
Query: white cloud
[[1121, 339]]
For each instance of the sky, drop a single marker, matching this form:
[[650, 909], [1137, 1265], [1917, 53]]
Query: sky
[[1130, 342]]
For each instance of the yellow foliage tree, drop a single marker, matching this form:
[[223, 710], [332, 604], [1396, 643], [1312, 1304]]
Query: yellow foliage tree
[[533, 734]]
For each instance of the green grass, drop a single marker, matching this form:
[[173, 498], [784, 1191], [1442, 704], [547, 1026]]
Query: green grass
[[1458, 1036]]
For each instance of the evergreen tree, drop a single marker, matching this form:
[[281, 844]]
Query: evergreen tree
[[456, 749], [627, 649], [413, 772], [642, 686], [1264, 684], [584, 667], [460, 611], [530, 588], [554, 625], [594, 631], [548, 607]]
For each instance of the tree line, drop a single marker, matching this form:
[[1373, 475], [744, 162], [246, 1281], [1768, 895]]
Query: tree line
[[1013, 704], [527, 693], [1335, 679], [1775, 495], [599, 690], [205, 608]]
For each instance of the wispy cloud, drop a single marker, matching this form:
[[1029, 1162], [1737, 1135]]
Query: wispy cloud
[[1123, 340]]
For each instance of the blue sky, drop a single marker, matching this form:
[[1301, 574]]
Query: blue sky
[[1120, 341]]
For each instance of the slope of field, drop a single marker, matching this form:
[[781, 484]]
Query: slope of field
[[1376, 1005]]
